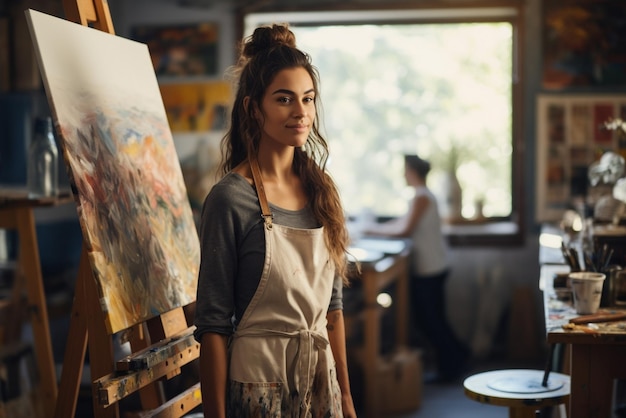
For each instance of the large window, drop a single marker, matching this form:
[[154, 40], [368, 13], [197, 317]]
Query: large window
[[439, 87]]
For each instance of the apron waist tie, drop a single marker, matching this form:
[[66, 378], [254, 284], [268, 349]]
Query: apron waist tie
[[308, 341]]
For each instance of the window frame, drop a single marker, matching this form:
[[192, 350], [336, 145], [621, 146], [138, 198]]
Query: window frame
[[494, 231]]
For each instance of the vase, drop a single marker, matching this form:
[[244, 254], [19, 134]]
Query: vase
[[452, 207]]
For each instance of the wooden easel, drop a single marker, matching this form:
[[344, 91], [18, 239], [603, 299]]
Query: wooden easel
[[17, 213], [160, 346]]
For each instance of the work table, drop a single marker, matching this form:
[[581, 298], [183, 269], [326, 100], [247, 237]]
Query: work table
[[384, 262], [597, 351]]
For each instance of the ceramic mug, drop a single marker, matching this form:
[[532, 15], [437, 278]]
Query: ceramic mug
[[587, 291]]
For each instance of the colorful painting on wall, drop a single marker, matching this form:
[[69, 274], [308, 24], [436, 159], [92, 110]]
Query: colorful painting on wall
[[197, 107], [582, 46], [131, 199], [188, 50]]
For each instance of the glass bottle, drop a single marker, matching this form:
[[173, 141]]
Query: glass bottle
[[43, 161]]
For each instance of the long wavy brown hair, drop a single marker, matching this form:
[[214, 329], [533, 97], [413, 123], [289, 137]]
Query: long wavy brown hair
[[269, 50]]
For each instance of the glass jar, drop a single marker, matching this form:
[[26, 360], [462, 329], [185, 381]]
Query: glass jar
[[43, 161]]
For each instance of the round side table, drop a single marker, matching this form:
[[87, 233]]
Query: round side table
[[519, 389]]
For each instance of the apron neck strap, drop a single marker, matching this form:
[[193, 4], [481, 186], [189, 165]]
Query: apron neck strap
[[258, 183]]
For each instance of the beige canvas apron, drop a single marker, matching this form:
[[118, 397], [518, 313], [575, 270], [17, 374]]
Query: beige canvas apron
[[281, 364]]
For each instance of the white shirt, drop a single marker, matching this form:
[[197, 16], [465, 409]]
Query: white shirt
[[430, 252]]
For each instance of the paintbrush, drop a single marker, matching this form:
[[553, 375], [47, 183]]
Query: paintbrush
[[603, 255], [589, 264], [574, 258], [606, 263], [568, 257]]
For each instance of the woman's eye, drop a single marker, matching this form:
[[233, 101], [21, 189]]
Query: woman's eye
[[284, 100], [309, 99]]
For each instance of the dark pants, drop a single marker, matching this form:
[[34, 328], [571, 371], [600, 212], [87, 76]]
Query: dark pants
[[428, 309]]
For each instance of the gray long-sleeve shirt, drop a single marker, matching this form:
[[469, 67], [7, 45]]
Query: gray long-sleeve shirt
[[233, 252]]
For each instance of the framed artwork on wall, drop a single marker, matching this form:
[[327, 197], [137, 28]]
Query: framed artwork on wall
[[188, 50], [571, 134], [582, 44], [197, 107]]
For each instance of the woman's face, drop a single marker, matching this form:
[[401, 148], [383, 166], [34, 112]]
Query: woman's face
[[288, 108]]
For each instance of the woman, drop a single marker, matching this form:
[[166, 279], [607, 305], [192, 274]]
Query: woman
[[429, 268], [273, 237]]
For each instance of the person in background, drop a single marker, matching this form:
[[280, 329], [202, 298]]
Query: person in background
[[429, 269], [273, 250]]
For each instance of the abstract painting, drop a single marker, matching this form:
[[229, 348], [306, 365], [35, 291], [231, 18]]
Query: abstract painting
[[132, 203], [188, 50], [197, 107], [583, 44]]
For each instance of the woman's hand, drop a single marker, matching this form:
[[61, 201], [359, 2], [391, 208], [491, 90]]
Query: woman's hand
[[347, 406], [337, 338]]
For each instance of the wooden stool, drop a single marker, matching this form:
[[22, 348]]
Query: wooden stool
[[519, 389]]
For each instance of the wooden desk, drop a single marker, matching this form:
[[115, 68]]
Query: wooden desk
[[16, 213], [596, 359], [375, 277]]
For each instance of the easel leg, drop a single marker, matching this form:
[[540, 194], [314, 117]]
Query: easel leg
[[87, 324], [89, 11], [31, 268], [75, 352], [16, 312], [101, 358]]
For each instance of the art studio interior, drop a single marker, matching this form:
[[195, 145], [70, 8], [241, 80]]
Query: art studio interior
[[113, 116]]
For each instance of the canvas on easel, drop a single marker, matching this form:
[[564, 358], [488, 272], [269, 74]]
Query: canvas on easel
[[137, 273], [132, 203]]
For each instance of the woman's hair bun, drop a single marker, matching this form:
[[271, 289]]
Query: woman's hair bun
[[268, 37]]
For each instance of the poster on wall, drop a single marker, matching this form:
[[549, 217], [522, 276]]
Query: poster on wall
[[571, 134], [188, 50], [583, 44]]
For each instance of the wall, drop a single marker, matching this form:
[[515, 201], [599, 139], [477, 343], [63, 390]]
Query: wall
[[484, 280], [126, 14]]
